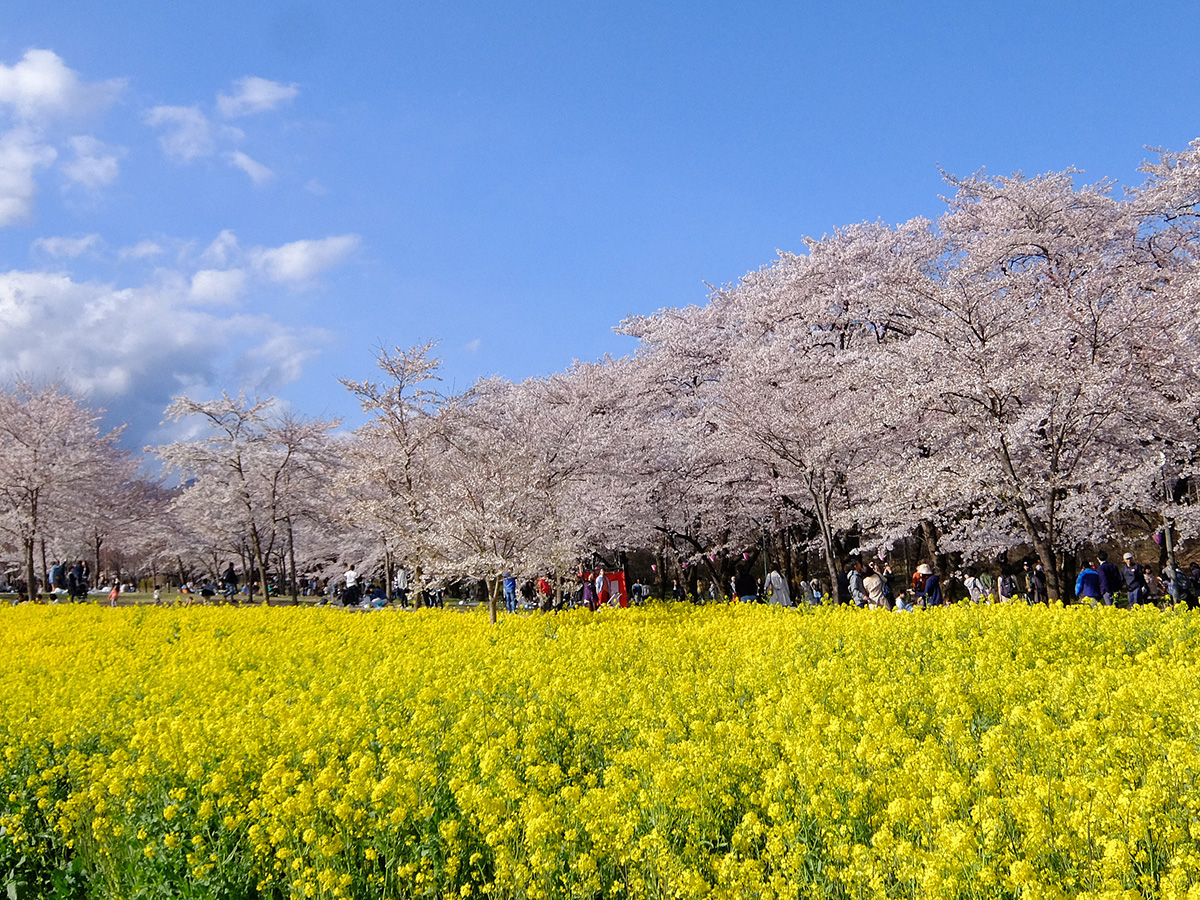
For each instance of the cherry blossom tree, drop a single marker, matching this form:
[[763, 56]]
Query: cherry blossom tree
[[53, 459], [255, 471], [386, 488], [1037, 313]]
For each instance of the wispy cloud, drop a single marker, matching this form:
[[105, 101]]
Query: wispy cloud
[[189, 136], [95, 165], [300, 261], [254, 95], [21, 155], [67, 248], [140, 250], [258, 173]]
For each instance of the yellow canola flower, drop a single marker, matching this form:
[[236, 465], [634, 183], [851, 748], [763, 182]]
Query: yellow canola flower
[[656, 752]]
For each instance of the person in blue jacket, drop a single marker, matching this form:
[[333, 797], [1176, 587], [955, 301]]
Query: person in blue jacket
[[1088, 585]]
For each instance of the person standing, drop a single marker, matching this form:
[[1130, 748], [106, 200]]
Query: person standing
[[1134, 576], [351, 594], [510, 591], [80, 575], [973, 585], [230, 580], [1110, 578], [1087, 585], [1007, 585], [745, 588], [1035, 582], [932, 587], [854, 584], [58, 580], [401, 586], [601, 588], [777, 589], [876, 588]]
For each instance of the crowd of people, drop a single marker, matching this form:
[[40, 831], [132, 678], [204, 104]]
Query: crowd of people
[[868, 583], [871, 584]]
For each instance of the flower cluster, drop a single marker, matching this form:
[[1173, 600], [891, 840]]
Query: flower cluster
[[657, 752]]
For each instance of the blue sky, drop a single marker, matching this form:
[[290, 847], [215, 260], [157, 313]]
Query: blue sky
[[196, 197]]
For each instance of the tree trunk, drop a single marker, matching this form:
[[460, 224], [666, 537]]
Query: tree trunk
[[98, 542], [45, 571], [292, 565], [828, 543], [30, 577], [260, 564], [493, 592], [1050, 563]]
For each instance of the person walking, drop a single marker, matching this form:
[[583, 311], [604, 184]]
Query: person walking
[[1110, 578], [1035, 580], [230, 580], [973, 585], [777, 589], [1134, 576]]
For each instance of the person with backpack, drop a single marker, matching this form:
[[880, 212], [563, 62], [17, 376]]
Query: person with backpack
[[1007, 586], [854, 583], [1035, 582]]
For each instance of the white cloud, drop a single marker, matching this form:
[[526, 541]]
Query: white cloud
[[254, 95], [218, 285], [41, 86], [315, 187], [63, 247], [278, 359], [140, 250], [221, 250], [190, 136], [95, 165], [258, 173], [301, 260], [132, 348], [21, 153], [473, 346]]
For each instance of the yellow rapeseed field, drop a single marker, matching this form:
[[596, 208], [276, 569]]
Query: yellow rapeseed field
[[668, 751]]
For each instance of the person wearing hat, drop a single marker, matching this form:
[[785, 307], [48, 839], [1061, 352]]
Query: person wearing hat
[[933, 587], [1135, 580]]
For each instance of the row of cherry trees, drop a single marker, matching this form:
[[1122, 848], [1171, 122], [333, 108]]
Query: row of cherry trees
[[1025, 370]]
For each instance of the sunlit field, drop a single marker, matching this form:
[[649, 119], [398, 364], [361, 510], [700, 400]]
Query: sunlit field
[[659, 752]]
